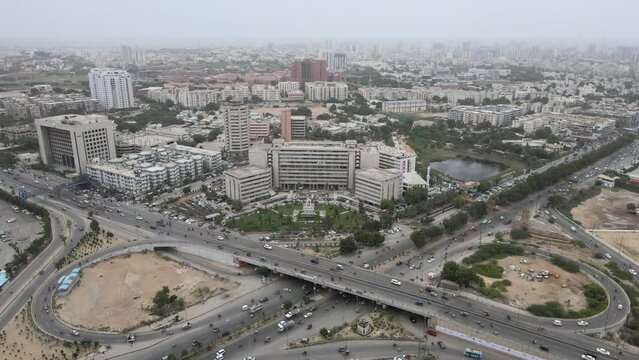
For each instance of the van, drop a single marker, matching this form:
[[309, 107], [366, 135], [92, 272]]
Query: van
[[339, 267], [396, 282], [573, 229]]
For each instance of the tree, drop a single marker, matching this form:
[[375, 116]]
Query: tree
[[460, 274], [484, 186], [213, 134], [287, 305], [302, 111], [332, 108], [631, 206], [422, 236], [324, 332], [169, 103], [7, 159], [387, 220], [387, 204], [212, 106], [255, 99], [186, 190], [347, 246], [95, 226], [204, 188], [415, 195], [477, 210], [263, 271]]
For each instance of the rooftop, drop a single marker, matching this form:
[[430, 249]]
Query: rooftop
[[73, 119], [245, 171], [378, 174]]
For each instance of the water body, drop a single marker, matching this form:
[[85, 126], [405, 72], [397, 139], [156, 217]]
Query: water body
[[466, 169]]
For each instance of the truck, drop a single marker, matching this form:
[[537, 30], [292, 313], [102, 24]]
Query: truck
[[293, 313], [285, 325], [255, 308]]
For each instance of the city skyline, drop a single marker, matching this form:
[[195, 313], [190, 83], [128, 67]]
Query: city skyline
[[171, 24]]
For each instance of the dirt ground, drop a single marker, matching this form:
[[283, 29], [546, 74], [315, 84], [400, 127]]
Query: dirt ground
[[524, 292], [629, 241], [608, 211], [114, 294], [20, 339], [317, 110]]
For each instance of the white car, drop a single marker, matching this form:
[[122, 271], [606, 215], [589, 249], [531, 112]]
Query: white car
[[138, 217], [603, 351], [431, 260], [308, 315], [268, 247], [396, 282], [75, 332], [220, 352], [244, 307], [619, 306], [582, 323], [632, 271], [557, 323], [608, 256], [11, 220], [366, 266], [587, 357]]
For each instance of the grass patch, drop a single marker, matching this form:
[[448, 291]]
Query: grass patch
[[491, 270], [596, 299], [493, 251], [565, 263], [618, 272]]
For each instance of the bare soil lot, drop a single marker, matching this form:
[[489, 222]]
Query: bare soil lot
[[21, 339], [628, 241], [608, 211], [524, 292], [116, 293], [20, 232]]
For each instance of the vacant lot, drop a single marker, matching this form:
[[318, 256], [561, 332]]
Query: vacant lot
[[115, 294], [19, 233], [608, 211], [21, 339], [524, 292], [628, 241]]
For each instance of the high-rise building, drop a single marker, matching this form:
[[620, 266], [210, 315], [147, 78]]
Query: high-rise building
[[73, 141], [308, 70], [373, 186], [324, 90], [132, 56], [293, 127], [247, 183], [113, 88], [236, 129], [334, 61]]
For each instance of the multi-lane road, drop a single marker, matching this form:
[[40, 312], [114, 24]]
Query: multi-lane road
[[352, 279]]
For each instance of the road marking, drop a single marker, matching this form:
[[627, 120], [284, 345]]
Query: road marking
[[482, 342]]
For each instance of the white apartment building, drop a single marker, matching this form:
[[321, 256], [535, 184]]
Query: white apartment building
[[581, 126], [324, 90], [113, 88], [314, 165], [402, 106], [238, 92], [372, 186], [236, 129], [161, 167], [74, 141], [266, 93], [247, 183], [334, 61], [285, 86], [498, 115], [197, 99], [175, 132]]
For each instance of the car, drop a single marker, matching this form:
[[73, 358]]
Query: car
[[130, 338], [632, 271], [396, 282], [75, 332], [264, 299], [244, 307], [308, 315], [588, 357], [219, 356], [268, 247], [138, 217], [419, 303], [250, 357], [608, 256], [431, 260], [441, 344], [603, 351], [582, 323], [366, 266], [619, 307], [464, 314], [557, 323]]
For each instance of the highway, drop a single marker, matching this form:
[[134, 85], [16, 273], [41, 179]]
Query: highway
[[361, 282]]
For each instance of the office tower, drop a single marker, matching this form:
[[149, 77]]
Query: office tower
[[236, 129], [73, 141], [308, 70], [293, 127], [132, 56], [334, 61], [112, 88]]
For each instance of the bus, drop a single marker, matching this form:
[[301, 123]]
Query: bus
[[255, 308], [473, 354]]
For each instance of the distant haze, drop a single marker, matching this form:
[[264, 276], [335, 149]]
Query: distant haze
[[111, 22]]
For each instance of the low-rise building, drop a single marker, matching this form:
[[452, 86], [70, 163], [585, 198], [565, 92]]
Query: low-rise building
[[325, 90], [372, 186], [404, 106], [247, 183], [259, 129], [19, 131]]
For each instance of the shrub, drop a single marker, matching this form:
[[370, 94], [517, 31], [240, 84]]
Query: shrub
[[493, 251], [519, 233], [491, 270], [565, 263]]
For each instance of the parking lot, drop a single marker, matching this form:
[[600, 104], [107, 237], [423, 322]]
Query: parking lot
[[17, 230]]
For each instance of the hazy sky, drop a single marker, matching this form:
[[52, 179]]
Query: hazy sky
[[74, 22]]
